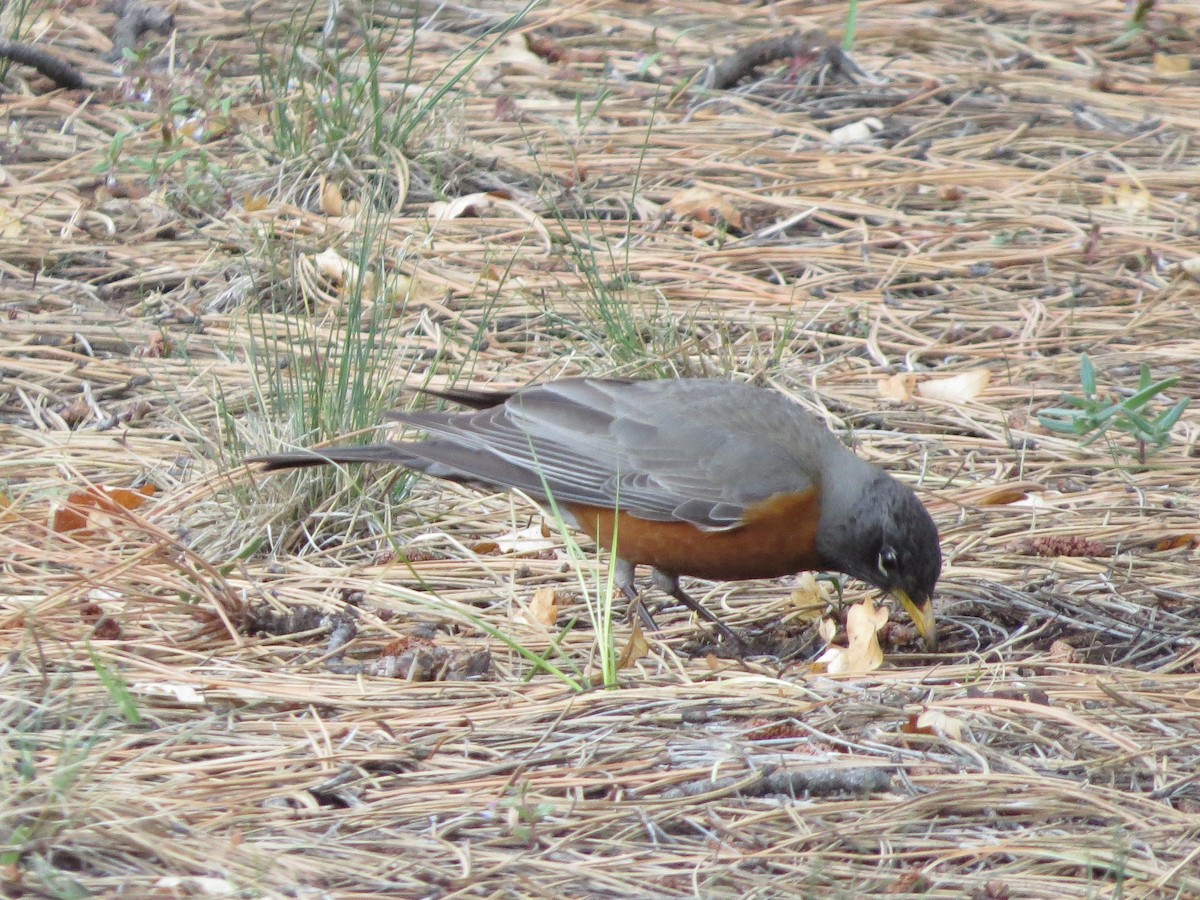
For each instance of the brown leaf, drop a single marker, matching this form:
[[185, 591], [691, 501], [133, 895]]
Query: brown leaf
[[78, 511], [704, 205], [933, 722], [911, 881], [636, 648], [1001, 497], [543, 608], [1061, 651], [1175, 542]]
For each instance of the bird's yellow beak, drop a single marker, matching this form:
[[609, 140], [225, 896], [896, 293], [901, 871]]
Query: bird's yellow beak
[[922, 617]]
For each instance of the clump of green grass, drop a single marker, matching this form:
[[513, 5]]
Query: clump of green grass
[[1093, 415]]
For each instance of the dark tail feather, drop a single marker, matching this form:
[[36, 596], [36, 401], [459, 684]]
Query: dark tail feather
[[473, 399], [303, 459]]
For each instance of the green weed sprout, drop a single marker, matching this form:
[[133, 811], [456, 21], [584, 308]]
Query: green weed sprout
[[1092, 416]]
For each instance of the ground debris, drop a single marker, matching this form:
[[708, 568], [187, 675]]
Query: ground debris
[[810, 782]]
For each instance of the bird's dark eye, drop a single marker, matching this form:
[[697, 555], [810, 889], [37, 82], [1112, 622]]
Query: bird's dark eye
[[887, 560]]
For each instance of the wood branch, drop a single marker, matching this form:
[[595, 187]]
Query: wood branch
[[814, 44], [792, 782]]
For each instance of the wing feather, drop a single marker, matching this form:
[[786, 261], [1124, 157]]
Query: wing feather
[[675, 450]]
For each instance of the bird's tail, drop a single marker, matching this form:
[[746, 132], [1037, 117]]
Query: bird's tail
[[473, 399], [303, 459]]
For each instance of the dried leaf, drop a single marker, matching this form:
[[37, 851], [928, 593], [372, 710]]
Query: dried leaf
[[478, 204], [934, 722], [335, 267], [1130, 199], [828, 630], [543, 608], [180, 693], [332, 203], [515, 57], [897, 387], [1172, 64], [339, 272], [1175, 542], [1002, 497], [82, 508], [1191, 266], [255, 202], [636, 648], [863, 654], [702, 204], [1061, 651], [1035, 501], [855, 133], [961, 388], [809, 598], [10, 223], [533, 539], [468, 205]]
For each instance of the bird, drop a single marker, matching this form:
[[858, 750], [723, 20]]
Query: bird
[[700, 477]]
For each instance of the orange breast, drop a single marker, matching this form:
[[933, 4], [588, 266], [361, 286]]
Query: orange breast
[[777, 537]]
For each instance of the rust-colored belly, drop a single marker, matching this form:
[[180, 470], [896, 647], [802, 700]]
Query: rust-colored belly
[[777, 537]]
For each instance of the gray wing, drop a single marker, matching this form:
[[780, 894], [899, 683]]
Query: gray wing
[[693, 450]]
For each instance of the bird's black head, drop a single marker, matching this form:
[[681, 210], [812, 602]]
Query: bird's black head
[[888, 539]]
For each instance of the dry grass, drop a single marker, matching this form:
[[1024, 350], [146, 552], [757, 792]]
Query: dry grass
[[1030, 195]]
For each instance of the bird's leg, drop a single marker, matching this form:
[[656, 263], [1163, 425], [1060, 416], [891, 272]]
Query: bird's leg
[[669, 584], [623, 577]]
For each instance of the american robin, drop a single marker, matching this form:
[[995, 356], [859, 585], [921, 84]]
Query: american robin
[[689, 476]]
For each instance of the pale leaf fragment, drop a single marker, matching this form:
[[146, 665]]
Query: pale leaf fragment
[[10, 224], [809, 599], [934, 721], [515, 57], [897, 387], [1002, 496], [1133, 200], [195, 886], [481, 203], [526, 540], [961, 388], [1172, 64], [863, 654], [332, 202], [855, 133], [180, 693]]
